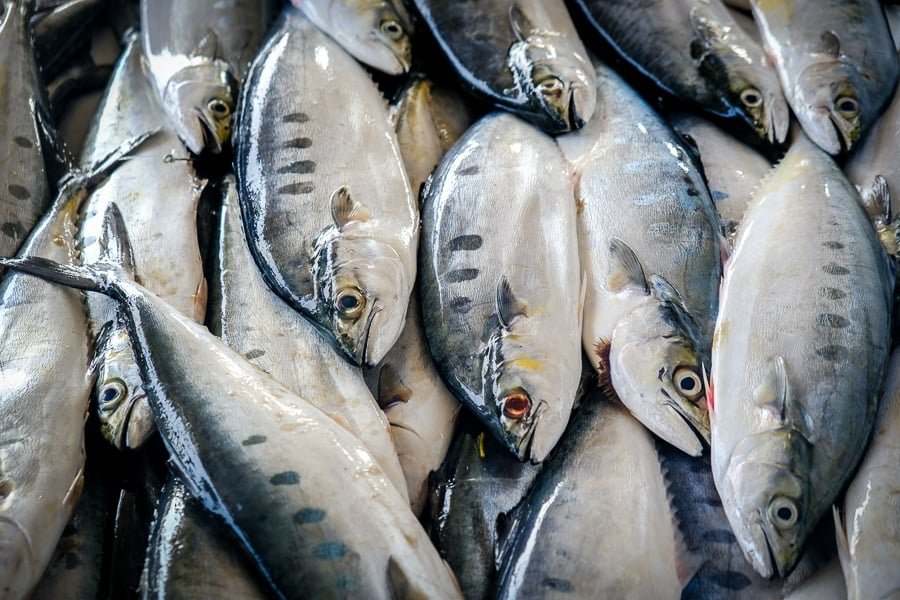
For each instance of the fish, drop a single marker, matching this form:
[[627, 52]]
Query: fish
[[798, 355], [521, 55], [826, 584], [194, 83], [58, 31], [295, 513], [377, 33], [158, 192], [867, 534], [44, 391], [472, 494], [25, 194], [838, 69], [259, 325], [694, 51], [650, 245], [732, 168], [567, 538], [503, 318], [189, 556], [337, 243]]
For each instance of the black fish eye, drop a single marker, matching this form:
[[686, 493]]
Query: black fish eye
[[848, 106], [687, 383], [350, 302], [751, 97], [783, 512], [392, 29], [218, 108], [111, 392]]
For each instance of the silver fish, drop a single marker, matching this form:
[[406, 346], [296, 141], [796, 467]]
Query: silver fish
[[503, 318], [826, 584], [337, 243], [836, 61], [798, 356]]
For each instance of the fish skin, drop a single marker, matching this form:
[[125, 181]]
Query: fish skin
[[25, 193], [58, 31], [696, 52], [377, 33], [868, 534], [479, 484], [157, 192], [846, 51], [825, 584], [321, 232], [257, 324], [733, 169], [190, 556], [605, 467], [503, 319], [521, 55], [797, 363], [636, 186], [227, 417]]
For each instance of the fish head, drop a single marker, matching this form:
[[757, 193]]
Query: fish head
[[126, 420], [656, 368], [766, 496], [830, 102], [362, 293], [378, 33], [756, 93], [203, 97]]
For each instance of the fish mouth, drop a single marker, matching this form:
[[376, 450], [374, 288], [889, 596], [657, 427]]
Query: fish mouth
[[139, 423], [574, 120], [687, 435], [525, 446], [210, 141], [777, 120], [361, 357], [764, 562]]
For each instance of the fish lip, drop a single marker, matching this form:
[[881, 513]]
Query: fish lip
[[574, 120], [525, 453], [362, 356], [207, 131], [126, 431], [771, 563], [699, 433]]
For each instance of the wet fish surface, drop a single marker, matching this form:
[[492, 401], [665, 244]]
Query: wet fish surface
[[337, 243]]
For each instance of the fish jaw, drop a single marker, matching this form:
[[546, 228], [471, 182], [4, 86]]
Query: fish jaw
[[140, 424], [777, 118], [16, 560], [546, 430]]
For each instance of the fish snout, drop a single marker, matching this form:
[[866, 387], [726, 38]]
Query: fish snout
[[140, 424], [547, 427]]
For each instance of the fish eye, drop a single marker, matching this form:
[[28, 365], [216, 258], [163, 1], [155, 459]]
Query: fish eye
[[392, 29], [350, 302], [551, 86], [112, 393], [688, 383], [516, 405], [751, 98], [783, 512], [219, 108], [847, 106]]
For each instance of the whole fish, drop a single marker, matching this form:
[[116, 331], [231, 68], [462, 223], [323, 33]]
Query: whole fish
[[650, 245], [157, 192], [869, 536], [836, 61], [522, 55], [503, 318], [695, 51], [257, 324], [44, 390], [478, 486], [296, 513], [189, 556], [330, 217], [25, 192], [195, 84], [733, 169], [798, 355], [568, 536], [375, 32]]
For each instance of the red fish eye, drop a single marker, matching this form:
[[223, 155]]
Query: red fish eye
[[516, 406]]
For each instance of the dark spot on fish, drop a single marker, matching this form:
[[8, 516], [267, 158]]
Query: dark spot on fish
[[833, 352], [18, 191], [830, 320], [22, 142], [731, 580], [309, 515], [346, 582], [558, 585], [298, 117], [301, 167], [719, 536], [458, 275], [460, 304], [286, 478], [833, 293], [466, 242], [719, 195], [330, 550], [13, 230], [692, 191], [835, 269], [833, 245], [712, 501], [253, 440], [303, 187], [688, 179], [470, 170], [254, 354], [72, 560], [302, 142]]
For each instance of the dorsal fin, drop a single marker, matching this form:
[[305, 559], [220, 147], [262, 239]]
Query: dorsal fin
[[521, 25], [208, 46], [508, 305], [115, 247], [625, 269], [666, 291], [345, 208]]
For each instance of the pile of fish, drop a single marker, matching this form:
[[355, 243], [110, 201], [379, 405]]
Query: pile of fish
[[482, 299]]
